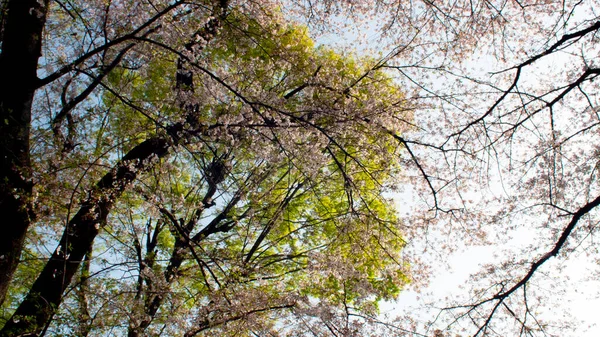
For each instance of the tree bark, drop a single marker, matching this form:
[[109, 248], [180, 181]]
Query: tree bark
[[21, 48]]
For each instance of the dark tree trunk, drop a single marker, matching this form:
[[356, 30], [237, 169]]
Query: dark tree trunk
[[21, 48]]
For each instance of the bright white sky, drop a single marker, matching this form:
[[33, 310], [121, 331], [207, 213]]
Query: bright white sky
[[452, 275], [447, 283]]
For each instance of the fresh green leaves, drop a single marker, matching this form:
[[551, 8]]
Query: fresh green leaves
[[270, 201]]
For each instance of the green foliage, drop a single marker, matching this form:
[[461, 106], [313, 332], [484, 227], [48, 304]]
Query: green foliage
[[270, 198]]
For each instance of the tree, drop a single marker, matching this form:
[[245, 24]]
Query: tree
[[504, 145], [506, 152], [19, 46], [258, 126], [196, 166]]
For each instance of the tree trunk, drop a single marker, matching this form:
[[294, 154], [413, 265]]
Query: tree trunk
[[21, 48]]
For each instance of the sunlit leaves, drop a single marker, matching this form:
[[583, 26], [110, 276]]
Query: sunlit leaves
[[267, 200]]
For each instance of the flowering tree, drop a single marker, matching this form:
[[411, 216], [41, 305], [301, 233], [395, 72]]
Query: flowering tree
[[506, 153], [191, 167], [199, 166], [503, 153]]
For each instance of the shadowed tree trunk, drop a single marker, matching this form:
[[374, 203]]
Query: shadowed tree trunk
[[21, 48]]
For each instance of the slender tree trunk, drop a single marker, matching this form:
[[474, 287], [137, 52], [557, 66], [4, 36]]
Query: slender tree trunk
[[21, 48]]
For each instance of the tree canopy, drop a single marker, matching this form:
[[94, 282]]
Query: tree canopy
[[200, 167], [222, 168]]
